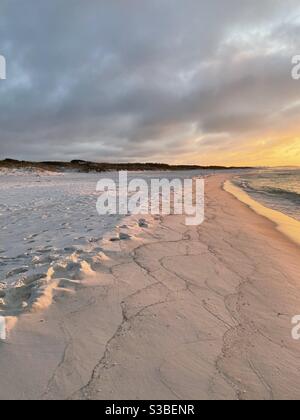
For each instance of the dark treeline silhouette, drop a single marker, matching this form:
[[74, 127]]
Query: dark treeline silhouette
[[86, 167]]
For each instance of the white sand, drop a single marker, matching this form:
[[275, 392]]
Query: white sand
[[175, 313]]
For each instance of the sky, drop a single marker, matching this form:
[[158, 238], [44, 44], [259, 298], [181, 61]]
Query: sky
[[193, 81]]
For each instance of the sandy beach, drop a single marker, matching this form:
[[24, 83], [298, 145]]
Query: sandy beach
[[177, 312]]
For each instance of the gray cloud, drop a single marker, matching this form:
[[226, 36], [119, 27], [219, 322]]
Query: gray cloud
[[132, 79]]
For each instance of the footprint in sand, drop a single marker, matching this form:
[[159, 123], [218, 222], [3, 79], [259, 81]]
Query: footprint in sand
[[121, 237], [17, 271], [124, 237], [143, 223]]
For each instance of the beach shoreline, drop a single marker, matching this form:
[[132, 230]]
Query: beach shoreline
[[176, 312], [285, 224]]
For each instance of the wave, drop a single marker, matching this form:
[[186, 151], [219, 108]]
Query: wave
[[271, 191], [285, 224], [290, 195]]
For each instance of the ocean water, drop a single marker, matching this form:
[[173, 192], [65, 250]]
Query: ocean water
[[278, 189]]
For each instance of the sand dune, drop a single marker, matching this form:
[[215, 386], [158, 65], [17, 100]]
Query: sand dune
[[175, 312]]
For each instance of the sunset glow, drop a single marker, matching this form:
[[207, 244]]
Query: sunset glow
[[184, 84]]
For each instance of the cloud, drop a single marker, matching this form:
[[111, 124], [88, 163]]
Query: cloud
[[138, 80]]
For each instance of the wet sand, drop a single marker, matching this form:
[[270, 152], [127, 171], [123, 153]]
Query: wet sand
[[285, 224], [175, 313]]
